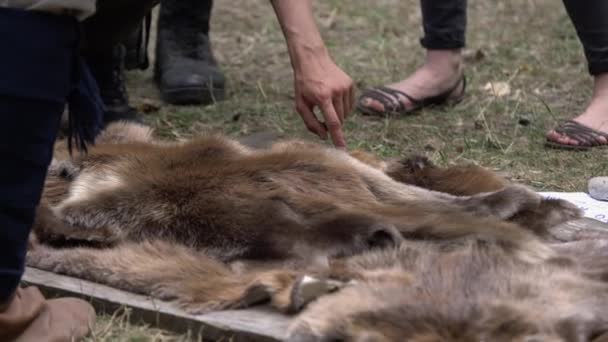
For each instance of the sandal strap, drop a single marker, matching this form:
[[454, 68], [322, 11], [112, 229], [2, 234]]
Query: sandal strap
[[583, 134], [396, 93], [433, 99], [573, 132], [443, 97], [390, 99], [387, 100]]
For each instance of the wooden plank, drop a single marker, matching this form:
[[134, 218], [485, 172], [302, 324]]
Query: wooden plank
[[257, 324]]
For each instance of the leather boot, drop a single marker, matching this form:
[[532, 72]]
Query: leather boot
[[109, 71], [28, 317], [113, 23], [136, 45], [185, 69]]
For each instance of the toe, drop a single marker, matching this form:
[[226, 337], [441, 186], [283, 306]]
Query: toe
[[561, 139], [372, 104]]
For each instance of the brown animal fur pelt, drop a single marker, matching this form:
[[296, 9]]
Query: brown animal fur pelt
[[212, 224], [214, 193], [467, 291]]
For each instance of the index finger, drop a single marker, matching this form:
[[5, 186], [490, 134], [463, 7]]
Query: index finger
[[310, 120], [333, 124]]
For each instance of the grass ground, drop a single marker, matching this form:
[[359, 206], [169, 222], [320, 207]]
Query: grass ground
[[530, 45]]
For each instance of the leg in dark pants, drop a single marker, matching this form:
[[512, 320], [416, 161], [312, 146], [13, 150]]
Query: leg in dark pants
[[27, 132], [589, 129], [113, 22], [444, 24], [37, 73], [40, 69], [590, 18]]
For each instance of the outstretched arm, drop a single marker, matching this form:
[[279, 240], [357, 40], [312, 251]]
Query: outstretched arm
[[319, 82]]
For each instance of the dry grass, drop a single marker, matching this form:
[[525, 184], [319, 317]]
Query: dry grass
[[119, 327], [529, 44]]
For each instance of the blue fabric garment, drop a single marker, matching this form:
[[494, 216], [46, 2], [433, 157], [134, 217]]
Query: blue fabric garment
[[49, 46], [27, 131], [40, 70]]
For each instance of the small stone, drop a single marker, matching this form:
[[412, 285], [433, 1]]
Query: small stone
[[524, 120], [598, 188]]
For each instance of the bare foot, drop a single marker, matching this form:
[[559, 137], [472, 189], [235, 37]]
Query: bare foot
[[441, 71], [594, 117]]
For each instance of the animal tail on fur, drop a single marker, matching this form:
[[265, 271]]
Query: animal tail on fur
[[453, 225], [166, 271]]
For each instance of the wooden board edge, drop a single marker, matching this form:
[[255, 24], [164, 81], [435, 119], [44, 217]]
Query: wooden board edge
[[258, 324]]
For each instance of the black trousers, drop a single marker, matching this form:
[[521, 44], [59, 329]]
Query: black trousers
[[445, 22]]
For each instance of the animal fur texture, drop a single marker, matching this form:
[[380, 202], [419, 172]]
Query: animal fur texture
[[360, 249]]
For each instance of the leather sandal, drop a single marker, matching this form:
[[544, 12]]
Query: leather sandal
[[389, 98], [585, 136]]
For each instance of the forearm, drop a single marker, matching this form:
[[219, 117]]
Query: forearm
[[318, 81], [304, 41]]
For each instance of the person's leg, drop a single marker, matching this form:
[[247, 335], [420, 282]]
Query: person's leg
[[108, 68], [186, 70], [444, 25], [591, 21], [114, 21], [37, 77], [27, 132]]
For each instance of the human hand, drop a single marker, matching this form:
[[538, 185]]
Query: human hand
[[320, 83]]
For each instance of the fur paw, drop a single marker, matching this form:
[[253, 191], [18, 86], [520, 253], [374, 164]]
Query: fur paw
[[505, 203], [416, 163], [549, 213], [557, 211], [309, 288], [411, 170]]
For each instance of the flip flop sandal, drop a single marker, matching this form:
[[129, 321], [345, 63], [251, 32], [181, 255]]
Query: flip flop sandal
[[586, 137], [389, 98]]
